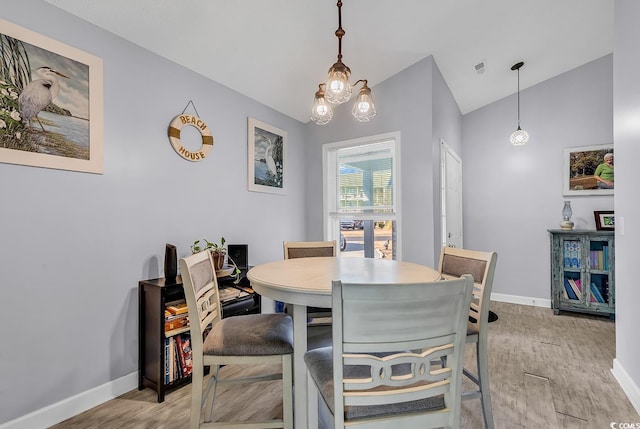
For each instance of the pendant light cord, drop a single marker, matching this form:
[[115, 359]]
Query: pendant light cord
[[518, 98]]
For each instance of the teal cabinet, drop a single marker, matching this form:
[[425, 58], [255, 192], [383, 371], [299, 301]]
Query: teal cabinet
[[583, 271]]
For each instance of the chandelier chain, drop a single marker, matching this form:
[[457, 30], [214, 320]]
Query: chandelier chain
[[340, 31]]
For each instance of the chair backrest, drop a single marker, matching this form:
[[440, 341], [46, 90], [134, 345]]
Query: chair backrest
[[455, 262], [308, 249], [382, 328], [201, 292]]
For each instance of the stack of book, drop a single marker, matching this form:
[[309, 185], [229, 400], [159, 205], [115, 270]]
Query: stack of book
[[599, 259], [176, 316], [572, 287], [573, 290], [177, 354], [178, 358]]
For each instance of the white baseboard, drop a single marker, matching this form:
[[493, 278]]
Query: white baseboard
[[56, 413], [522, 300], [631, 389]]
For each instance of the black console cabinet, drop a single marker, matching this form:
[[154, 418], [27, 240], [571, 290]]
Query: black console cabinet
[[152, 298]]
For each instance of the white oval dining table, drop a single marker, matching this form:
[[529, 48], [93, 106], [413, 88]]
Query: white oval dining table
[[303, 282]]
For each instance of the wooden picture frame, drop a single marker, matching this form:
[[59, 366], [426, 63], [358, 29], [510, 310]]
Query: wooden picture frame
[[51, 103], [605, 220], [580, 164], [267, 158]]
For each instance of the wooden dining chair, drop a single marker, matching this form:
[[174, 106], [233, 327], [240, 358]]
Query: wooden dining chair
[[455, 262], [308, 249], [252, 340], [378, 372]]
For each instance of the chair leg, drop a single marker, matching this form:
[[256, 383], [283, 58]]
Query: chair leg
[[312, 406], [212, 395], [287, 391], [483, 378], [197, 380]]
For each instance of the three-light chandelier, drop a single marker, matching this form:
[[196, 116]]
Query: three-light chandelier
[[337, 90]]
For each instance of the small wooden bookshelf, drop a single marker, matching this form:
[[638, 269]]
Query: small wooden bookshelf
[[160, 302]]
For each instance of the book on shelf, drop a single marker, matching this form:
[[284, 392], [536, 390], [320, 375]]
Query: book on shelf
[[176, 321], [575, 285], [167, 357], [184, 354], [176, 352], [231, 293], [595, 293], [177, 307], [172, 360], [570, 292], [599, 259]]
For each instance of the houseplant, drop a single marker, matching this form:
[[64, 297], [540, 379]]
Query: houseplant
[[218, 253]]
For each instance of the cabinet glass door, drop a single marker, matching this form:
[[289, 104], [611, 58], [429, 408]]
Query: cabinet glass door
[[573, 282], [598, 271]]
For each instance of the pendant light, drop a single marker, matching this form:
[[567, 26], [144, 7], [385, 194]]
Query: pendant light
[[338, 90], [519, 137]]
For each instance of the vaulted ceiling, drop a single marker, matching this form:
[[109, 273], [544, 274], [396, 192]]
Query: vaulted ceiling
[[277, 51]]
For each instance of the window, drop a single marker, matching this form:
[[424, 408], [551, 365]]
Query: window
[[361, 196]]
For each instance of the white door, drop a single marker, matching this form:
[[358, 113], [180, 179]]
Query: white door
[[451, 190]]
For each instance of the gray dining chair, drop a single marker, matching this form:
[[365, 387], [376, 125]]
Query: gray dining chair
[[251, 340], [455, 262], [378, 373], [309, 249]]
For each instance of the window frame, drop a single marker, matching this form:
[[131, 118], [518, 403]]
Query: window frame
[[330, 184]]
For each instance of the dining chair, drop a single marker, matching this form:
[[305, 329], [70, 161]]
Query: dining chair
[[250, 340], [378, 372], [455, 262], [308, 249]]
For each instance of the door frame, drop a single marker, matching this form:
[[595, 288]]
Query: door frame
[[446, 150]]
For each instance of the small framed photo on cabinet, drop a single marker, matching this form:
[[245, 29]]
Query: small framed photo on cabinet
[[605, 220]]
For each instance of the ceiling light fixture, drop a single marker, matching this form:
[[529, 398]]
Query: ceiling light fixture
[[519, 136], [337, 90]]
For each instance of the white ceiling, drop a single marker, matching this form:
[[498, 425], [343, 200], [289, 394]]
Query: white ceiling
[[277, 51]]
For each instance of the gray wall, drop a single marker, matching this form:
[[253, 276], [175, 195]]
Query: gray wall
[[512, 195], [447, 126], [627, 204], [405, 102], [73, 246]]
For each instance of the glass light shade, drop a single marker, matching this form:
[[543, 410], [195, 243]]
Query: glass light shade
[[566, 223], [519, 137], [566, 211], [364, 109], [321, 112], [338, 88]]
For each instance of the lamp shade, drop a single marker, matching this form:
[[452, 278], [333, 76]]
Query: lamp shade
[[363, 109], [321, 112], [519, 137], [338, 89]]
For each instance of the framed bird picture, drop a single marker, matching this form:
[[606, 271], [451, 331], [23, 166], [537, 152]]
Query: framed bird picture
[[266, 157], [51, 103]]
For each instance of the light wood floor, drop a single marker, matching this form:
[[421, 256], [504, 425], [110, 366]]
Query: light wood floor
[[546, 372]]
